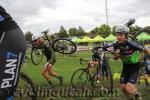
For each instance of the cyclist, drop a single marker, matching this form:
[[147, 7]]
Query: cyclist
[[51, 59], [102, 63], [95, 55], [128, 51], [147, 68], [12, 51]]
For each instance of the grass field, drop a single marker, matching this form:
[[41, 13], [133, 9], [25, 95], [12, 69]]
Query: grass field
[[65, 66]]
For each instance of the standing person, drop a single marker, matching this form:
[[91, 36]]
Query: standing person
[[128, 51], [147, 68], [104, 65], [12, 51], [51, 59]]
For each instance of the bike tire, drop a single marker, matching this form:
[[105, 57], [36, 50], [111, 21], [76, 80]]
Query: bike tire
[[103, 82], [64, 46], [36, 56], [28, 85], [79, 77]]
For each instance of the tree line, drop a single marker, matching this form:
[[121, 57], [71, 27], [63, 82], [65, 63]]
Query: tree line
[[103, 30]]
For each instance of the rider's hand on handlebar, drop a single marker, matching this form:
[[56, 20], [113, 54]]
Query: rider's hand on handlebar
[[117, 54]]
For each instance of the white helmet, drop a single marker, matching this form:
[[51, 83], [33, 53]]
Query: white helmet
[[35, 36], [122, 29]]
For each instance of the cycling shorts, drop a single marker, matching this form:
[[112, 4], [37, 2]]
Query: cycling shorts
[[129, 73]]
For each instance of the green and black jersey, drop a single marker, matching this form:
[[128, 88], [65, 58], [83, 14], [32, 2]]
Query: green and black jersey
[[129, 51]]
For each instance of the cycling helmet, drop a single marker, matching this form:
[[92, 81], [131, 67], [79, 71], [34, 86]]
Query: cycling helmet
[[122, 29], [35, 37]]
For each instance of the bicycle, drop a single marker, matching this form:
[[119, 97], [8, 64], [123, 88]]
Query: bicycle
[[62, 45], [92, 74], [26, 88]]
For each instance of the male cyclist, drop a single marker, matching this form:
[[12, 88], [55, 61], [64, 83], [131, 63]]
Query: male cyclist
[[128, 51], [51, 59], [12, 51]]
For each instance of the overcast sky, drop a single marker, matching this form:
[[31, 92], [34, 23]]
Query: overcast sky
[[38, 15]]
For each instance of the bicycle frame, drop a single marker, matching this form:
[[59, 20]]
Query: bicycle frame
[[98, 66]]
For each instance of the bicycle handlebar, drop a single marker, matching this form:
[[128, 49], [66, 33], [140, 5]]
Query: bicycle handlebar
[[81, 60], [130, 22], [45, 33]]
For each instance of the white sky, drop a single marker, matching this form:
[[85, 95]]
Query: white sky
[[38, 15]]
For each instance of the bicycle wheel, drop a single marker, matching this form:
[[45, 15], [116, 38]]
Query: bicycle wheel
[[64, 46], [25, 89], [104, 81], [36, 56], [79, 77]]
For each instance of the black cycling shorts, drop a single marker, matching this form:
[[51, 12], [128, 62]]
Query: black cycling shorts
[[129, 73], [12, 51]]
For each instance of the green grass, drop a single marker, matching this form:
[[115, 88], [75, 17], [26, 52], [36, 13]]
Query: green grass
[[65, 67]]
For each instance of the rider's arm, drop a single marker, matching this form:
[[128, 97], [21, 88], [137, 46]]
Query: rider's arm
[[139, 47], [116, 51]]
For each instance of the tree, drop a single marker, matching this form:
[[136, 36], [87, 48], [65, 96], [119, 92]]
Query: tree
[[104, 30], [94, 30], [80, 31], [147, 29], [72, 32], [28, 36], [62, 32], [134, 29], [113, 30]]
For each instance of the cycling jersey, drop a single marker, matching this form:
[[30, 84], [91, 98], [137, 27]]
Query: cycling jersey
[[129, 51], [6, 21], [12, 51], [129, 54], [49, 53]]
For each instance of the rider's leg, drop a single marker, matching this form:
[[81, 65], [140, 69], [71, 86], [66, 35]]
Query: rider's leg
[[53, 73], [45, 75], [123, 86], [123, 80], [103, 72], [131, 87], [146, 73], [146, 79]]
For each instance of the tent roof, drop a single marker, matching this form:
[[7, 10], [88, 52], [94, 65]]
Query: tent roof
[[98, 39], [110, 38], [143, 36], [86, 39], [75, 39]]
